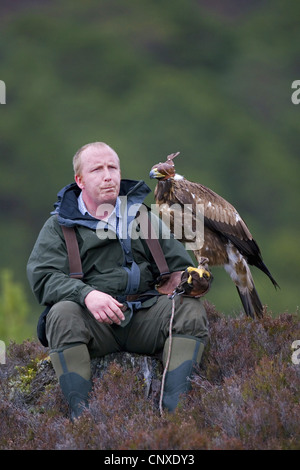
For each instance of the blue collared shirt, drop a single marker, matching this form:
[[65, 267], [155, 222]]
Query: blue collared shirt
[[114, 221]]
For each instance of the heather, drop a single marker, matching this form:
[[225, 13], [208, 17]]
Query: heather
[[245, 395]]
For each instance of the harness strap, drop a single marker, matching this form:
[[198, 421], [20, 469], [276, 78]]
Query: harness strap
[[150, 238], [153, 243], [73, 252]]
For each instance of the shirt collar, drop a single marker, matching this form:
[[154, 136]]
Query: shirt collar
[[115, 213]]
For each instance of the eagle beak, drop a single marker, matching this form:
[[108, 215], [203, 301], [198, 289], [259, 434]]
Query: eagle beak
[[154, 173]]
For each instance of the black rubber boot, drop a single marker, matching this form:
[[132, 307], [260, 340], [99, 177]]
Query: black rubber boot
[[76, 391], [72, 367], [185, 353]]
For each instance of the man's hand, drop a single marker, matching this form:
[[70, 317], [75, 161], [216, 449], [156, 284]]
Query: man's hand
[[105, 308]]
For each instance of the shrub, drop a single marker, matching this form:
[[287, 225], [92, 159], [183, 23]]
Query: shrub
[[14, 309], [245, 395]]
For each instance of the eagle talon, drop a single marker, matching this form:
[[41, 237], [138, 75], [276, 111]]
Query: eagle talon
[[202, 272]]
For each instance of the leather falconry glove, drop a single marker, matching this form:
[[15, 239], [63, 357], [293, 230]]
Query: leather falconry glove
[[193, 282]]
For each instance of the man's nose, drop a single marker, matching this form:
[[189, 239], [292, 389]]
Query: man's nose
[[107, 175]]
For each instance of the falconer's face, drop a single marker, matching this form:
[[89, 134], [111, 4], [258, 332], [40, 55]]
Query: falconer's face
[[100, 177]]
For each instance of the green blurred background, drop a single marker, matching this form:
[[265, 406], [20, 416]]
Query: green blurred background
[[209, 78]]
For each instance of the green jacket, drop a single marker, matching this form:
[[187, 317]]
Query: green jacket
[[108, 264]]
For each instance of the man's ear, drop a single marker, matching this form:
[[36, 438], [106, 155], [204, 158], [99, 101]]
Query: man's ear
[[79, 181]]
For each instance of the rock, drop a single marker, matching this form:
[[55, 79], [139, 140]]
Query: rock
[[149, 368], [30, 382]]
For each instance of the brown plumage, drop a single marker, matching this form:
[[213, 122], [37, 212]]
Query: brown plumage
[[227, 240]]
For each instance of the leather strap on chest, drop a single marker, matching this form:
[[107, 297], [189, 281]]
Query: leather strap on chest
[[73, 252], [150, 236]]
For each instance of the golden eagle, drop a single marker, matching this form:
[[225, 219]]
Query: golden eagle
[[227, 240]]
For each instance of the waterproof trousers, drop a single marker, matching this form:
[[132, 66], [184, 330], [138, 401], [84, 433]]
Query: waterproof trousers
[[69, 325]]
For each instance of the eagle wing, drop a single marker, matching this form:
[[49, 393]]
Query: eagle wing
[[222, 222], [220, 217], [219, 214]]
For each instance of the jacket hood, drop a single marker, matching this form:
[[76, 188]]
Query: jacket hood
[[67, 210]]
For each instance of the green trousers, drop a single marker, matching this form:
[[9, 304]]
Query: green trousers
[[74, 336], [69, 323]]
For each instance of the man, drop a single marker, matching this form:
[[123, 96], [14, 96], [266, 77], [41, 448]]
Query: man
[[96, 315]]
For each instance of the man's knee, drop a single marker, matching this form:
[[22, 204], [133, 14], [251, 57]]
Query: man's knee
[[190, 318], [65, 325], [62, 314], [65, 307]]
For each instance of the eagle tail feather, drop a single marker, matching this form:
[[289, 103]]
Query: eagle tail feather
[[264, 268], [251, 302]]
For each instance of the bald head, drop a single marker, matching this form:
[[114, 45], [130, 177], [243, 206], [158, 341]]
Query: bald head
[[81, 153]]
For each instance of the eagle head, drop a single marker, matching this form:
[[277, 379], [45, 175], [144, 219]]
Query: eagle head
[[163, 171]]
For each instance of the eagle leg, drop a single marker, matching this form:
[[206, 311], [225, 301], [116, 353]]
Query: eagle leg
[[239, 271], [251, 302]]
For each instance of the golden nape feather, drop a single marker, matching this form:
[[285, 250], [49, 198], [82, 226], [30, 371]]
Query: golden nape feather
[[226, 239]]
